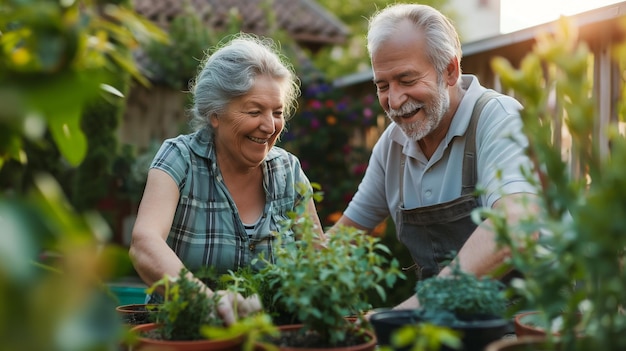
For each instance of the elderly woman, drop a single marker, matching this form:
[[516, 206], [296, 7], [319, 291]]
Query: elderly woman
[[215, 198]]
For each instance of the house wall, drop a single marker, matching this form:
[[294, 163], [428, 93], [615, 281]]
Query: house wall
[[152, 115], [475, 19]]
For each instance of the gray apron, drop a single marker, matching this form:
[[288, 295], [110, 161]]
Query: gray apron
[[434, 233]]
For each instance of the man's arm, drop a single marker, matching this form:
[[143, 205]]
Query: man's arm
[[348, 223], [480, 254]]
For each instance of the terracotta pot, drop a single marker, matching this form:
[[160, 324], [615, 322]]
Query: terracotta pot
[[523, 327], [135, 314], [525, 343], [367, 346], [233, 344]]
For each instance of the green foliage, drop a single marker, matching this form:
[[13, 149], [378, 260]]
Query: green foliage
[[53, 264], [424, 337], [351, 57], [55, 57], [574, 269], [403, 287], [321, 134], [242, 281], [462, 293], [131, 170], [176, 62], [448, 303], [46, 50], [256, 328], [185, 309], [323, 282], [92, 180], [188, 313]]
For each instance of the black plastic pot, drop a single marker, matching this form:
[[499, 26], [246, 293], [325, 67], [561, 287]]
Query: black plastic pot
[[385, 323], [477, 330]]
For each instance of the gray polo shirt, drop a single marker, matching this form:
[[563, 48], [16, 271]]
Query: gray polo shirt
[[500, 153]]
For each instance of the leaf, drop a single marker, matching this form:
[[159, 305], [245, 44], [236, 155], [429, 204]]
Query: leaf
[[112, 90], [65, 128]]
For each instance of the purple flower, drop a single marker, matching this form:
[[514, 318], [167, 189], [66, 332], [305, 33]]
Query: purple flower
[[342, 106]]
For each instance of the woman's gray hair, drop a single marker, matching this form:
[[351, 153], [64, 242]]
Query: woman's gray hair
[[442, 40], [230, 71]]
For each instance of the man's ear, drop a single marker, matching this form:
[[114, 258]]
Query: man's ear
[[452, 72]]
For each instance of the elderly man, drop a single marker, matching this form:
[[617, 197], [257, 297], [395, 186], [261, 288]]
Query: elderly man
[[449, 136]]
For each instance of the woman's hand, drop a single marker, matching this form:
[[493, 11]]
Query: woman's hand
[[232, 306]]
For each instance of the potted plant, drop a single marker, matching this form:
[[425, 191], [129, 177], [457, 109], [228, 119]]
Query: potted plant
[[137, 313], [473, 308], [321, 284], [571, 252], [188, 320], [525, 343]]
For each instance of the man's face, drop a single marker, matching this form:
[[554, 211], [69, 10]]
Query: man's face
[[410, 89], [433, 110]]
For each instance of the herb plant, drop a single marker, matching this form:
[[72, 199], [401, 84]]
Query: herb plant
[[185, 309], [574, 270], [463, 294], [458, 310], [188, 313], [323, 282]]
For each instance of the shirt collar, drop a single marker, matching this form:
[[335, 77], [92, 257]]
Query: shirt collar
[[463, 114], [202, 145]]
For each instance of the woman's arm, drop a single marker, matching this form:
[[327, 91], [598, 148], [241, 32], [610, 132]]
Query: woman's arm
[[149, 252], [153, 258]]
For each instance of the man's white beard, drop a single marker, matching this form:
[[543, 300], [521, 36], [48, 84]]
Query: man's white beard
[[417, 130]]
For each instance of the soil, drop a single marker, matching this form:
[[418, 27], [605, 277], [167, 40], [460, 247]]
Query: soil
[[135, 315], [293, 338], [154, 334]]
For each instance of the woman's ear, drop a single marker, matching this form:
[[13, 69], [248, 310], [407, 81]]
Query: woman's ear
[[214, 120]]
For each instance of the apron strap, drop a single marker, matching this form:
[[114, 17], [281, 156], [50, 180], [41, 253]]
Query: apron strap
[[470, 173]]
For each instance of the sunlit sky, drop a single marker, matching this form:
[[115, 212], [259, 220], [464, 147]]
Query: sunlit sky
[[519, 14]]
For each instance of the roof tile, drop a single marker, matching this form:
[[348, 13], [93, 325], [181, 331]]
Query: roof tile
[[306, 21]]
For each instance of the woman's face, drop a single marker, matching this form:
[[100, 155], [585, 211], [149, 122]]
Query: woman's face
[[251, 124]]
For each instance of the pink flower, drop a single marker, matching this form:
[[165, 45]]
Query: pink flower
[[368, 99], [315, 104], [359, 170], [367, 112], [347, 197]]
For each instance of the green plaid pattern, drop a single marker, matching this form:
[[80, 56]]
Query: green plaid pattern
[[207, 230]]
